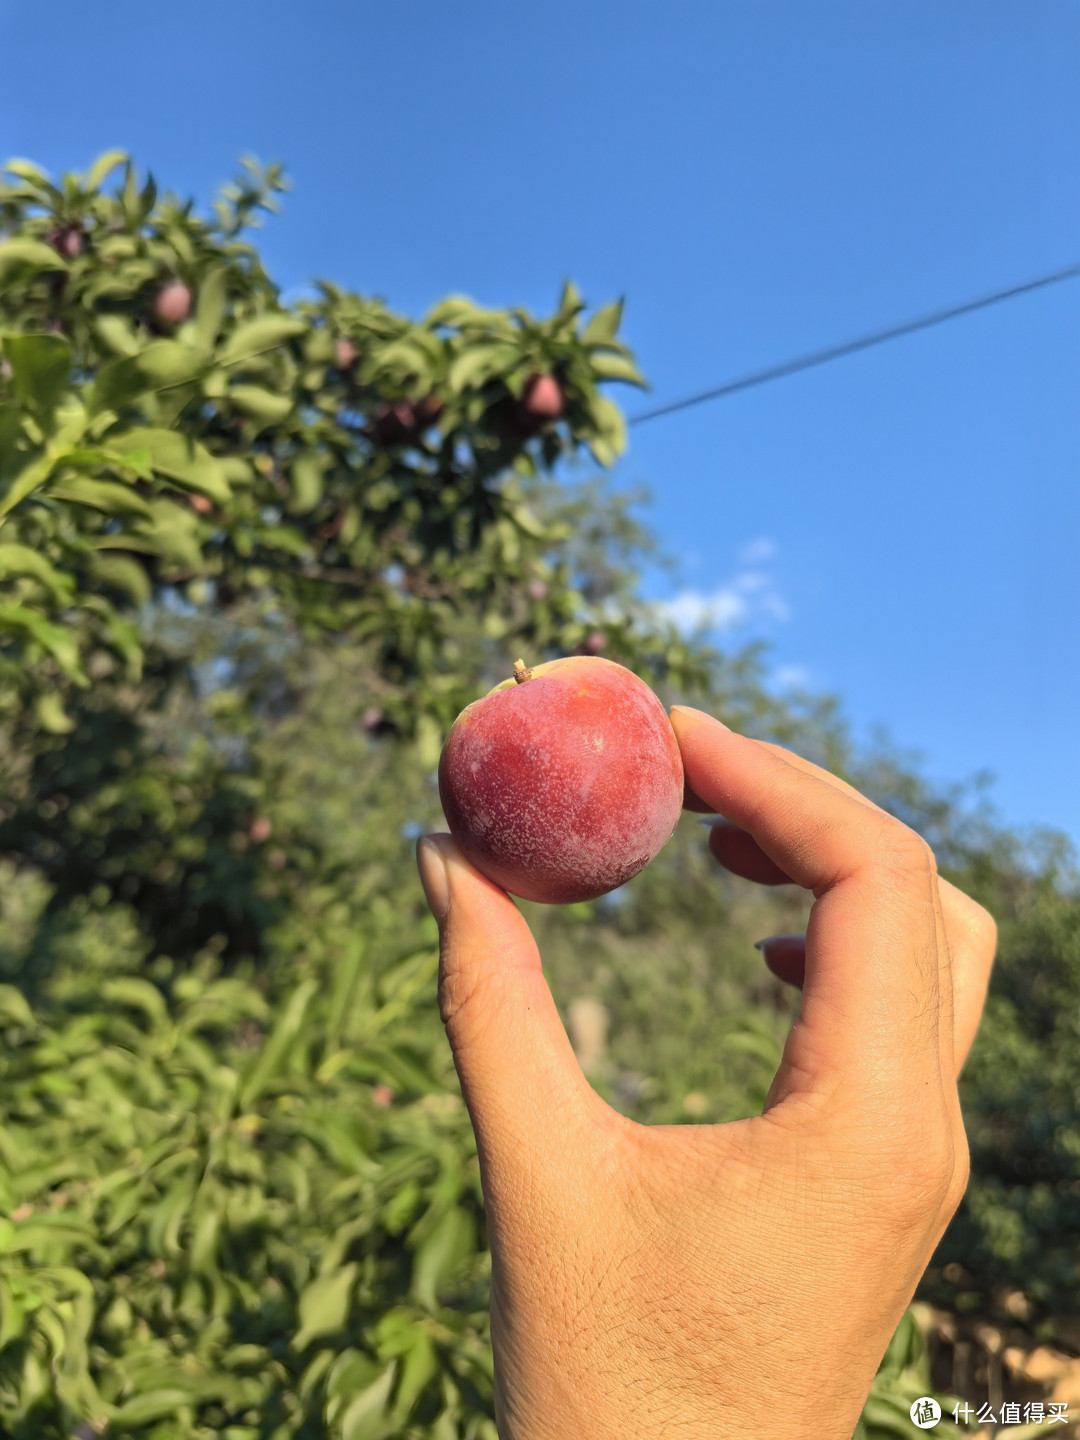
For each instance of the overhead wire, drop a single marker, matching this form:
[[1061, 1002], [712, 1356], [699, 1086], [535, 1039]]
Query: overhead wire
[[829, 353]]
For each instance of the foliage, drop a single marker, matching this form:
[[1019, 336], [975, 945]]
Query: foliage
[[222, 1220], [1015, 1248], [248, 575], [330, 463], [263, 1171], [240, 1183], [903, 1378], [1013, 1252]]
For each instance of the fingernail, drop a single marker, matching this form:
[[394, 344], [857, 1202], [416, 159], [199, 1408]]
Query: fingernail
[[432, 866], [763, 945], [697, 714], [718, 822]]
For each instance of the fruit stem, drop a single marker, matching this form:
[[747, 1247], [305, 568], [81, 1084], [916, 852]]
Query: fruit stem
[[521, 672]]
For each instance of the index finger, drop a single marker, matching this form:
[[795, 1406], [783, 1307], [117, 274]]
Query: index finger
[[872, 1007]]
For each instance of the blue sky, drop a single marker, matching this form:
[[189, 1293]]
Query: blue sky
[[902, 526]]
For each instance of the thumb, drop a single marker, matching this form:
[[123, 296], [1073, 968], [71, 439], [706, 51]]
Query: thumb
[[518, 1073]]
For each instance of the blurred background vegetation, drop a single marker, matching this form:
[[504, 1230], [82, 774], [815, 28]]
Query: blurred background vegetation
[[253, 559]]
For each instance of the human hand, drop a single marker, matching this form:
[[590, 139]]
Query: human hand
[[727, 1280]]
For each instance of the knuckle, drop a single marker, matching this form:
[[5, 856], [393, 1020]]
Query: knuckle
[[926, 1176], [983, 929], [961, 1172], [899, 849], [460, 990]]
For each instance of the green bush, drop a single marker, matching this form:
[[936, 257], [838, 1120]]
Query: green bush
[[240, 1183]]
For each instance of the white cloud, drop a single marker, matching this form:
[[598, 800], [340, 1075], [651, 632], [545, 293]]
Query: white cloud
[[791, 677], [720, 609], [750, 598]]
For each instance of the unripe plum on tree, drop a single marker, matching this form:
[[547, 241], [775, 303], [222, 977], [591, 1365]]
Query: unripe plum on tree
[[564, 782], [393, 422], [541, 402], [344, 352], [542, 398], [172, 303], [66, 241], [428, 410]]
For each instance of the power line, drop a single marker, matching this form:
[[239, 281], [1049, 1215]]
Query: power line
[[852, 347]]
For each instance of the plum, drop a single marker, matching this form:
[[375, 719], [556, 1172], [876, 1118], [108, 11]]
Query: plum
[[563, 782], [172, 303]]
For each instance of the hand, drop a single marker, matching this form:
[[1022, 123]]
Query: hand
[[728, 1280]]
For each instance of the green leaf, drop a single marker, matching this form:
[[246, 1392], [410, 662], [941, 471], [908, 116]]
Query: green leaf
[[407, 359], [210, 308], [459, 311], [440, 1254], [261, 404], [103, 167], [366, 1417], [162, 364], [177, 456], [270, 1060], [237, 469], [116, 334], [11, 432], [570, 301], [324, 1305], [154, 1405], [121, 572], [204, 1242], [524, 518], [610, 441], [140, 994], [20, 254], [306, 477], [45, 1234], [285, 538], [108, 496], [428, 742], [170, 533], [419, 1366], [603, 328], [352, 1371], [123, 634], [21, 560], [887, 1415], [29, 478], [60, 644], [42, 366], [27, 170], [51, 714], [12, 1313], [606, 365], [253, 337], [14, 1006], [479, 363]]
